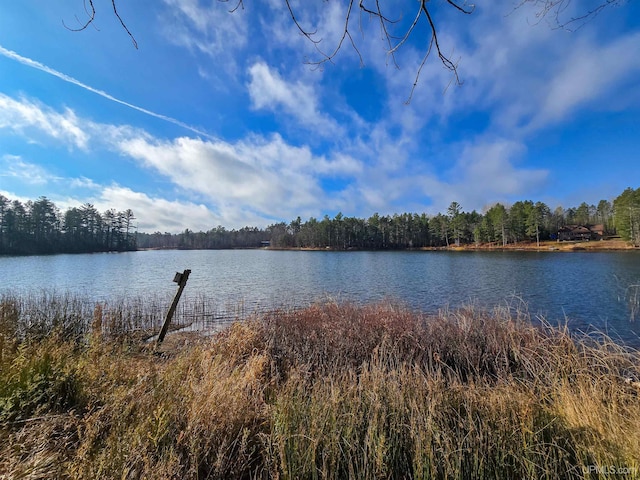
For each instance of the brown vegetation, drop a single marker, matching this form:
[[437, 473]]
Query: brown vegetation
[[554, 246], [330, 391]]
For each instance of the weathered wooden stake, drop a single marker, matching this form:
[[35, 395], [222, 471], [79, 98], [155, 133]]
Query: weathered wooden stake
[[181, 280]]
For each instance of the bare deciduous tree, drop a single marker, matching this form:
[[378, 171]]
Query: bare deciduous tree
[[394, 40], [395, 33]]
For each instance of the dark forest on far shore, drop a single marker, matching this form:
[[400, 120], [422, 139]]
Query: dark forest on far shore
[[39, 227], [521, 222]]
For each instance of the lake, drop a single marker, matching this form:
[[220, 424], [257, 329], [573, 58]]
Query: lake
[[584, 289]]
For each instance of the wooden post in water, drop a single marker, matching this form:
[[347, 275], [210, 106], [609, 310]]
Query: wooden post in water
[[181, 280]]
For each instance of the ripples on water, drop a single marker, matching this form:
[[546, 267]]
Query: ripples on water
[[585, 290]]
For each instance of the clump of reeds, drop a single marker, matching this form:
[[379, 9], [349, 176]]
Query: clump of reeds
[[34, 316], [329, 391]]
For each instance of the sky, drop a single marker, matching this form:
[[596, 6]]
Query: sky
[[227, 118]]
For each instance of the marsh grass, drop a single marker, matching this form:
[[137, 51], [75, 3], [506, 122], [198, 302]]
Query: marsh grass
[[334, 390]]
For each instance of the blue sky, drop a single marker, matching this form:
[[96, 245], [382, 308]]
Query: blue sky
[[218, 118]]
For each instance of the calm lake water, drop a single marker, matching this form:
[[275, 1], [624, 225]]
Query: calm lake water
[[587, 290]]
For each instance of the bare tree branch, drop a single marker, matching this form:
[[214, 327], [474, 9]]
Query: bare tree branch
[[91, 13], [383, 28], [345, 34], [393, 42], [415, 83], [374, 9], [554, 9], [449, 65], [115, 10], [464, 8], [308, 35], [239, 5]]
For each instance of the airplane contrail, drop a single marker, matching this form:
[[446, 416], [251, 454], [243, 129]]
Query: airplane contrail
[[40, 66]]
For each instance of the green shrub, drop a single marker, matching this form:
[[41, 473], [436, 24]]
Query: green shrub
[[37, 381]]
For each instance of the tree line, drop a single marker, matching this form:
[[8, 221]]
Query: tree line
[[216, 238], [524, 221], [39, 227]]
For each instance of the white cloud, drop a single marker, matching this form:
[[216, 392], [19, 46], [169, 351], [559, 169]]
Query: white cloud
[[487, 170], [323, 21], [157, 214], [151, 213], [18, 169], [256, 178], [84, 183], [523, 77], [210, 30], [531, 77], [11, 196], [21, 116], [66, 78], [340, 165], [266, 176], [591, 72], [268, 90]]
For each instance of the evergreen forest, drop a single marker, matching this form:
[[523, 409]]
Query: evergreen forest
[[524, 221], [37, 227]]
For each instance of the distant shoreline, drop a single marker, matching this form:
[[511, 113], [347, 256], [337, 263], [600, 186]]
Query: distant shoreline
[[546, 246], [612, 245], [555, 246]]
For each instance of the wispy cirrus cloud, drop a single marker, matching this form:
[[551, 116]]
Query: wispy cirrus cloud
[[488, 169], [269, 91], [590, 72], [23, 115], [212, 33], [16, 168], [212, 29], [527, 77], [67, 78]]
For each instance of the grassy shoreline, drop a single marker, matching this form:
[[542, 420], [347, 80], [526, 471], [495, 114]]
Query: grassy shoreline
[[612, 245], [335, 390], [554, 246]]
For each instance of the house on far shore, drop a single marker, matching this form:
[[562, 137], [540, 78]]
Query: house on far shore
[[597, 231], [574, 233]]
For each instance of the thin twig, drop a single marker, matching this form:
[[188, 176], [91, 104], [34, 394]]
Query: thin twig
[[91, 13], [308, 35], [560, 6], [91, 16], [115, 10]]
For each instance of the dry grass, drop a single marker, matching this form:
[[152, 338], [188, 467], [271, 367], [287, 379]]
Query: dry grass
[[330, 391], [614, 244]]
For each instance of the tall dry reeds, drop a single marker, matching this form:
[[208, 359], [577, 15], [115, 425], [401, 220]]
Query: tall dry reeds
[[329, 391]]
